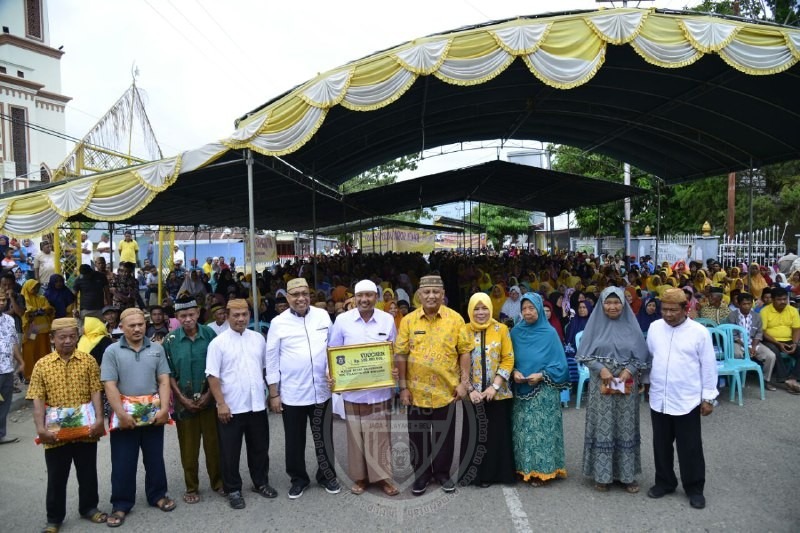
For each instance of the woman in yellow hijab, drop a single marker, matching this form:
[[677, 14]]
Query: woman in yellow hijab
[[484, 280], [498, 298], [388, 298], [35, 325], [700, 281], [95, 338], [491, 364]]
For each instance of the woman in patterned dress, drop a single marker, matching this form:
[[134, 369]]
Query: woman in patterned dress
[[613, 347], [486, 434], [540, 372]]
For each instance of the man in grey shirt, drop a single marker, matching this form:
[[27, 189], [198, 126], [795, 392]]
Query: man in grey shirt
[[136, 367]]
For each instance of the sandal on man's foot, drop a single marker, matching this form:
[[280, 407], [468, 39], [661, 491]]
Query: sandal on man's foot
[[95, 516], [166, 504], [191, 497], [221, 492], [389, 489], [359, 487], [115, 519], [602, 487], [51, 528], [632, 487]]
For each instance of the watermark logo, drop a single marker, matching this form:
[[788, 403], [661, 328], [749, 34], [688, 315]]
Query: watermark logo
[[404, 445]]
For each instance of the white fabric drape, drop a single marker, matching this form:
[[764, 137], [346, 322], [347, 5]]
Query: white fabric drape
[[368, 96], [762, 58], [476, 69], [282, 140], [194, 159], [562, 70], [328, 91], [617, 28], [666, 55], [28, 225], [71, 199], [154, 175], [519, 40], [111, 207], [423, 58], [707, 35]]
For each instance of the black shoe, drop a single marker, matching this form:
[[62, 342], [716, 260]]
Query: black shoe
[[266, 491], [297, 490], [235, 500], [331, 486], [656, 491], [448, 486], [698, 501], [419, 487]]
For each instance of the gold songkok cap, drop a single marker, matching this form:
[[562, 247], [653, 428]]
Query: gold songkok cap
[[431, 281], [674, 296], [63, 323], [238, 303]]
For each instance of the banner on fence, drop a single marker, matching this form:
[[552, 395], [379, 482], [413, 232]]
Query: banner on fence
[[397, 240], [451, 241], [266, 249]]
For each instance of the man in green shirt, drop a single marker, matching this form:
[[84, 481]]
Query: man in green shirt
[[195, 412]]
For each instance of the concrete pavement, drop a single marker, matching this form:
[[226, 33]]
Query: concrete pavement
[[752, 485]]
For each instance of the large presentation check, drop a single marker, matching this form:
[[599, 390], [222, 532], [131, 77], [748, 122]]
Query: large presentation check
[[361, 366]]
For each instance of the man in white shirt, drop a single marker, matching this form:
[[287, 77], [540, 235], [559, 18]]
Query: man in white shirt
[[105, 247], [178, 256], [369, 443], [44, 265], [683, 387], [235, 368], [86, 250], [220, 319], [297, 367]]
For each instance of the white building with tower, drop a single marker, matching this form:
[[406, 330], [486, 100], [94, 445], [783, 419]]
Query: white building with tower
[[31, 103]]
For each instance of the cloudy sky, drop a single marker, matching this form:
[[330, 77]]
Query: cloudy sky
[[203, 63]]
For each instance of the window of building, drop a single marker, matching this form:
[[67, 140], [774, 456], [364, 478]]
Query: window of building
[[20, 74], [2, 70], [19, 139], [33, 19]]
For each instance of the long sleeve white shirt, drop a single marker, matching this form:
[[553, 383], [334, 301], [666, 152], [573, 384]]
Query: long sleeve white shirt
[[684, 370], [238, 361], [297, 356], [350, 328]]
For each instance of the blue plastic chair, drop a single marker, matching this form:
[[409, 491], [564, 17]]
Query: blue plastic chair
[[707, 322], [745, 364], [583, 373], [726, 366]]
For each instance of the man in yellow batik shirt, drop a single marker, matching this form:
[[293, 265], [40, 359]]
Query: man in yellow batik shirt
[[68, 378], [433, 351]]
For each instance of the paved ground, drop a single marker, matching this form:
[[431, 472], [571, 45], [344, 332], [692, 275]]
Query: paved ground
[[752, 485]]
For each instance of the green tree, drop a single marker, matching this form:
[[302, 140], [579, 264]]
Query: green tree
[[607, 219], [501, 222], [780, 11]]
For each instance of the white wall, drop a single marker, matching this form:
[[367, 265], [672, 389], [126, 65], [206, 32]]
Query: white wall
[[38, 67]]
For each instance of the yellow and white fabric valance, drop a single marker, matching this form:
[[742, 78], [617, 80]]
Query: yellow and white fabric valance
[[111, 196], [562, 51]]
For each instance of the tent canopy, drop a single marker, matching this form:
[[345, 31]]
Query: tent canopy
[[679, 95]]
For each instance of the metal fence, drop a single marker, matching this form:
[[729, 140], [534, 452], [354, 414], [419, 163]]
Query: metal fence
[[766, 244]]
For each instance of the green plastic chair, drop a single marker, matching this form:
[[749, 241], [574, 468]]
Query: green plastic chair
[[745, 365], [726, 366]]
